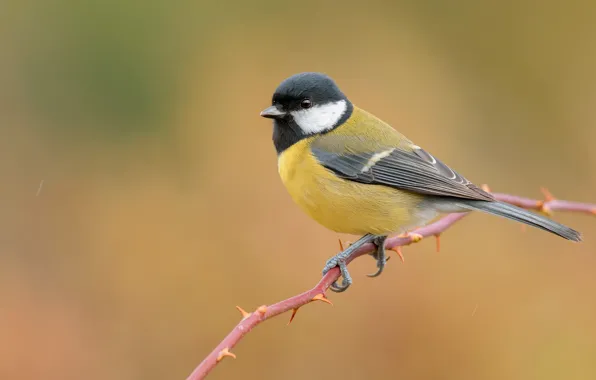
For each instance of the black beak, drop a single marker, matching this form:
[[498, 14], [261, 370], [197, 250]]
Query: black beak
[[273, 113]]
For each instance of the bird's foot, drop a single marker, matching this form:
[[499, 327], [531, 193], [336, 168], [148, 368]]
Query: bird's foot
[[341, 259], [379, 255], [343, 269]]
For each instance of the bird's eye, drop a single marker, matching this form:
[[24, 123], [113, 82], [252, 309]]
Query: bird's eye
[[306, 103]]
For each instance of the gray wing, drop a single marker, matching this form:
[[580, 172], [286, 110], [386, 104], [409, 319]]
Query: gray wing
[[416, 170]]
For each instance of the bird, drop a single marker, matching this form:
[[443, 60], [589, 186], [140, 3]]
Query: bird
[[354, 173]]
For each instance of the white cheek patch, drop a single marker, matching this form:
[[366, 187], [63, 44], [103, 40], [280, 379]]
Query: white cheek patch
[[320, 118]]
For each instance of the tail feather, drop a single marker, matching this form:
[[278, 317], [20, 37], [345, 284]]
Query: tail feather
[[519, 214]]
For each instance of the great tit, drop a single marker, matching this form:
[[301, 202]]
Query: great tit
[[355, 174]]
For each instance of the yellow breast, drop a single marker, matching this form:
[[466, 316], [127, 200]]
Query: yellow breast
[[341, 205]]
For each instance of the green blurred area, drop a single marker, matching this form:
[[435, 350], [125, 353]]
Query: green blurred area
[[140, 197]]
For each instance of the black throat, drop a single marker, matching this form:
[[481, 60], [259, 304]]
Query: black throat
[[287, 133]]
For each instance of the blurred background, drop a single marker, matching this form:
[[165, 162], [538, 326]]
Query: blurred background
[[141, 202]]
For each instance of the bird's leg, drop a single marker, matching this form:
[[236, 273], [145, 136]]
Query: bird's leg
[[379, 255], [340, 260]]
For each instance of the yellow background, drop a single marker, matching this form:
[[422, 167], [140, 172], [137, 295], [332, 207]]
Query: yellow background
[[161, 207]]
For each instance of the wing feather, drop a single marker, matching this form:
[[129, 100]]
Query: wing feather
[[414, 170]]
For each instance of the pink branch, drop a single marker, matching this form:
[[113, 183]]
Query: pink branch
[[551, 204], [317, 293]]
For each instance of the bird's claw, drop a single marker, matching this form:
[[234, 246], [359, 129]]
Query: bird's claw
[[341, 259], [343, 269], [379, 255]]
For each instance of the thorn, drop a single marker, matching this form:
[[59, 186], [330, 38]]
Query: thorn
[[542, 205], [262, 309], [294, 311], [414, 237], [223, 353], [438, 237], [406, 235], [548, 196], [341, 245], [321, 297], [399, 253], [543, 208], [485, 187], [244, 313], [523, 228]]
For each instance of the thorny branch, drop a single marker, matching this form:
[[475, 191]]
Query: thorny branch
[[317, 293]]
